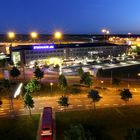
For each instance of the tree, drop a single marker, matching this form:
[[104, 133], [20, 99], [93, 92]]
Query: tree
[[2, 63], [14, 72], [77, 132], [5, 87], [32, 86], [6, 83], [125, 95], [28, 100], [94, 95], [80, 71], [62, 82], [1, 102], [133, 134], [56, 67], [35, 64], [63, 101], [86, 79], [39, 74]]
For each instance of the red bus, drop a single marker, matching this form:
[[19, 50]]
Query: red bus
[[47, 124]]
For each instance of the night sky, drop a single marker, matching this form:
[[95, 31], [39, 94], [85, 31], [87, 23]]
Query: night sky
[[70, 16]]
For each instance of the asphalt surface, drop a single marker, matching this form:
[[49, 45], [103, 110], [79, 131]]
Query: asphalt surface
[[110, 98]]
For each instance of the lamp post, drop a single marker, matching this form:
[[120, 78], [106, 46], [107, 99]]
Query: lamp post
[[11, 36], [34, 35], [58, 35], [103, 31], [102, 83], [51, 84], [129, 34], [128, 81]]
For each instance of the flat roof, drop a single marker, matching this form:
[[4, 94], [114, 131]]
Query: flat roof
[[59, 46]]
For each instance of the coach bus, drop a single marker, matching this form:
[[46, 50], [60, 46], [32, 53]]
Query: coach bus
[[47, 124]]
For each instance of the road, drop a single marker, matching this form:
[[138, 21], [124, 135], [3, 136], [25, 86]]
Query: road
[[77, 102]]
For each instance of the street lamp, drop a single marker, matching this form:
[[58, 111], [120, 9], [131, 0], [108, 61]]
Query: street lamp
[[58, 35], [11, 35], [51, 84], [105, 32], [34, 35], [129, 34], [102, 83]]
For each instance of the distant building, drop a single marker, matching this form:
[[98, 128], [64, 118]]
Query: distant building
[[27, 53]]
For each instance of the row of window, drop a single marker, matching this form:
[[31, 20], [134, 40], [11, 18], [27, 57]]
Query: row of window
[[96, 49], [43, 51]]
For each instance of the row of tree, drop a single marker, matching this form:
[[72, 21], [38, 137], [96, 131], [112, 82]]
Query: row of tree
[[38, 73], [94, 95]]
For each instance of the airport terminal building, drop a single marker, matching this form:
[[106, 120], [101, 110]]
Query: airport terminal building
[[27, 53]]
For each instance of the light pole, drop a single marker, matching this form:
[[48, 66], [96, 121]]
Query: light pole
[[11, 36], [129, 34], [34, 35], [128, 81], [102, 82], [51, 84], [58, 35], [104, 32]]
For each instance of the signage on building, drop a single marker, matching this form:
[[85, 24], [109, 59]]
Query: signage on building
[[38, 47]]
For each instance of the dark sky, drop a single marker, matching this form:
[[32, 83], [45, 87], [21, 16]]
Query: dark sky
[[70, 16]]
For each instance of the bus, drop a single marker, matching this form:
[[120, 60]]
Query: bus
[[47, 124]]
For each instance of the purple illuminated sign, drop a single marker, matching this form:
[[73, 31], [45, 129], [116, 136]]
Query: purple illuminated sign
[[43, 47]]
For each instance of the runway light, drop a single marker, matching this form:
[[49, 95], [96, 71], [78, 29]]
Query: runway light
[[18, 90]]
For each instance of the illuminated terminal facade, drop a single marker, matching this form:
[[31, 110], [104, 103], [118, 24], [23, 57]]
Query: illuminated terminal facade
[[27, 53]]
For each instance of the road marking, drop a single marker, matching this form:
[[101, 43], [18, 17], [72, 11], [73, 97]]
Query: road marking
[[88, 105], [106, 104], [115, 104], [6, 108], [79, 105], [61, 109], [21, 109], [40, 108], [6, 104], [43, 103], [3, 114]]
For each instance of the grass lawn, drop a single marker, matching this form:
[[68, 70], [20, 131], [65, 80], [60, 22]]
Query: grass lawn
[[47, 91], [19, 128], [108, 123]]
